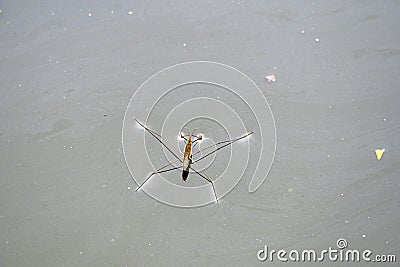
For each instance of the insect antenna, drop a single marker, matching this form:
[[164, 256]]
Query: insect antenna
[[194, 131]]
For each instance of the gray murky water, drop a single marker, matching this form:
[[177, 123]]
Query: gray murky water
[[69, 70]]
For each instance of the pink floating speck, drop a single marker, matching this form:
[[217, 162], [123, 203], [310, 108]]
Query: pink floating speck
[[270, 78]]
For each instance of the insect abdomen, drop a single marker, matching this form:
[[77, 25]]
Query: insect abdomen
[[185, 174]]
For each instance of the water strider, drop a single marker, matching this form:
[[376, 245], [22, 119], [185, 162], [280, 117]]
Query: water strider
[[186, 156]]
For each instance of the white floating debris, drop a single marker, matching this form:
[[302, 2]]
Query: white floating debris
[[302, 31], [89, 14], [8, 22], [130, 12], [363, 235], [52, 13], [290, 190], [184, 44], [1, 11], [129, 188], [80, 253], [341, 194], [19, 85], [270, 78], [379, 153], [384, 119], [342, 139], [316, 40], [112, 11]]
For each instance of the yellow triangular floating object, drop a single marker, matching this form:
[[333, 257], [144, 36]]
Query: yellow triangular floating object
[[379, 153]]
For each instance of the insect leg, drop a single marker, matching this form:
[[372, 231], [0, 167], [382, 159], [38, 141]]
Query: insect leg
[[209, 180], [226, 143], [198, 138], [182, 136], [156, 172], [159, 138], [210, 153]]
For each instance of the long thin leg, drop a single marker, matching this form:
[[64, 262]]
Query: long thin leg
[[195, 142], [198, 138], [226, 143], [209, 180], [182, 136], [159, 169], [159, 138], [156, 172], [210, 153]]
